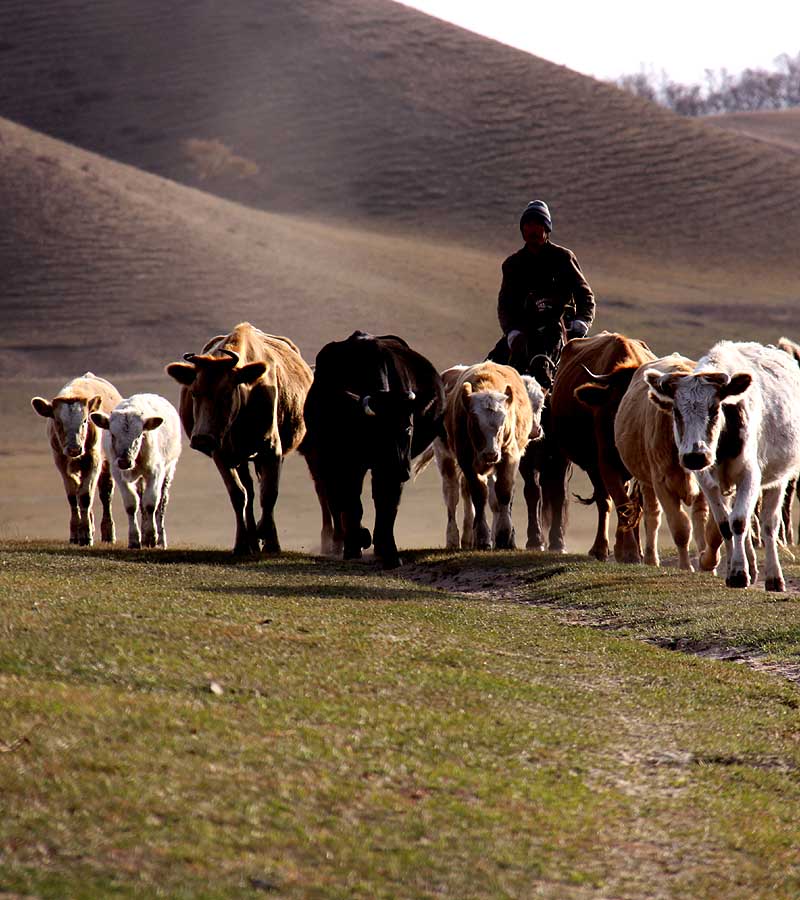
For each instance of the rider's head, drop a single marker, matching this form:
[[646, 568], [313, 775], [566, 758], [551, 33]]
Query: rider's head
[[535, 223]]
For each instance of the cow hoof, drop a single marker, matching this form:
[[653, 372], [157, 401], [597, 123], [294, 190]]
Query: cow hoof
[[134, 545], [776, 584], [391, 562], [483, 545], [534, 545], [737, 580], [353, 553]]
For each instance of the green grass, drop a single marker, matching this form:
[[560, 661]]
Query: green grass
[[379, 738]]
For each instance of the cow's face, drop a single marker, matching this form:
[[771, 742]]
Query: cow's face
[[217, 389], [389, 420], [126, 431], [487, 421], [696, 405], [70, 421]]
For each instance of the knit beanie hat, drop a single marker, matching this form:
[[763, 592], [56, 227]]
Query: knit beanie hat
[[536, 211]]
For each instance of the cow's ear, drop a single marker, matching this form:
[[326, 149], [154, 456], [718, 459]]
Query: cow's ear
[[591, 394], [95, 403], [466, 388], [509, 392], [738, 384], [153, 422], [43, 407], [662, 388], [251, 372], [100, 419], [183, 373]]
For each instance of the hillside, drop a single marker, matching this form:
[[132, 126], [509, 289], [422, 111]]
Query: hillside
[[368, 111], [781, 128]]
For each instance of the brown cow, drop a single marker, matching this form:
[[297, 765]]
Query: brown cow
[[583, 407], [75, 442], [242, 399], [644, 438], [489, 419]]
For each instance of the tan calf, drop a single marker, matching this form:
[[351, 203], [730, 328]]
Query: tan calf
[[75, 442]]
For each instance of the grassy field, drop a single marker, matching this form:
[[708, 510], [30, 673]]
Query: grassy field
[[179, 725]]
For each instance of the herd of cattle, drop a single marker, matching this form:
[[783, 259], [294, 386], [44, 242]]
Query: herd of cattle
[[720, 434]]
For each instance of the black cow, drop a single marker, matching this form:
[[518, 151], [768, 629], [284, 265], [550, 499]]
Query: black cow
[[374, 404]]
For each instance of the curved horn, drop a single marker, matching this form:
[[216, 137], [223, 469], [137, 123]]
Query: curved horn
[[190, 357], [600, 379], [232, 353], [366, 407]]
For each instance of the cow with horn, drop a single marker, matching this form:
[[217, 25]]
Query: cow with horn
[[242, 399]]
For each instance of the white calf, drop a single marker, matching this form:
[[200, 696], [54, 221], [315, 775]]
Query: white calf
[[142, 441], [736, 419]]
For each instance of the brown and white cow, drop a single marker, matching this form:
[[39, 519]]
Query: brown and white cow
[[646, 445], [736, 421], [593, 374], [242, 399], [491, 414], [76, 445]]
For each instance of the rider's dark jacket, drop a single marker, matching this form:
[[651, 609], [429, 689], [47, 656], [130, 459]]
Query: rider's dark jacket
[[538, 288]]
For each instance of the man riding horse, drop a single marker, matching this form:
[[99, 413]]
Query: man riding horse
[[544, 298]]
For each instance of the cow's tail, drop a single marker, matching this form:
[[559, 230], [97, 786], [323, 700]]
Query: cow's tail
[[422, 461]]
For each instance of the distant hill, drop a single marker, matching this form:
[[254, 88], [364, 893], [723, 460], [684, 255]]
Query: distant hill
[[781, 128], [362, 165]]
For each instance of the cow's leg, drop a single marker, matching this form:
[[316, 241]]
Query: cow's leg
[[651, 500], [386, 492], [786, 510], [532, 492], [86, 493], [151, 496], [709, 558], [468, 521], [626, 543], [268, 469], [505, 474], [680, 525], [479, 493], [331, 533], [771, 510], [130, 500], [553, 479], [451, 476], [747, 495], [599, 549], [356, 537], [245, 542], [71, 485], [105, 487], [700, 518], [161, 509]]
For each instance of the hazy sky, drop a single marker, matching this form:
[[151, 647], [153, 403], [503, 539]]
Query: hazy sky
[[608, 38]]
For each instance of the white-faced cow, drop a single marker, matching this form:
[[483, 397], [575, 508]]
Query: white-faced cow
[[593, 374], [644, 439], [242, 399], [75, 442], [491, 414], [142, 442], [736, 419], [375, 403]]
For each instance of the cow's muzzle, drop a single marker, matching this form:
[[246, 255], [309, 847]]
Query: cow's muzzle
[[74, 452], [123, 462], [695, 461], [205, 443]]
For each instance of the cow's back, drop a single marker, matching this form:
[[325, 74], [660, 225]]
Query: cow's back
[[572, 422]]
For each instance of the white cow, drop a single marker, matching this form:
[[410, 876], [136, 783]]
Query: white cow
[[142, 441], [736, 419]]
